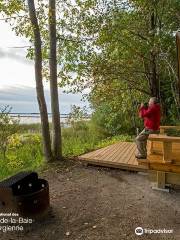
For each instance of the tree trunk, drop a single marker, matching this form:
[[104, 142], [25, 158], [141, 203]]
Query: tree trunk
[[178, 64], [39, 82], [56, 128], [154, 81]]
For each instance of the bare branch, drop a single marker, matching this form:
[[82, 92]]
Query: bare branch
[[9, 18]]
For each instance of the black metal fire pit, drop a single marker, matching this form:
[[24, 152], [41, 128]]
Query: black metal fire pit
[[24, 193]]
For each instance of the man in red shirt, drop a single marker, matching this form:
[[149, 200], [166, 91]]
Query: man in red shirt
[[151, 116]]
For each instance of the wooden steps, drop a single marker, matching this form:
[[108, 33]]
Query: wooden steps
[[159, 165]]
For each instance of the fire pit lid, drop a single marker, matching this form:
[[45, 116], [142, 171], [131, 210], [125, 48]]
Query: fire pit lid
[[9, 182]]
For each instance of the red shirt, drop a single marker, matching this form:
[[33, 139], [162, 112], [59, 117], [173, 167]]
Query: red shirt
[[152, 116]]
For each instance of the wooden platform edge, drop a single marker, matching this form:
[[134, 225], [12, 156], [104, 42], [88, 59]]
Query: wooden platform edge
[[123, 166]]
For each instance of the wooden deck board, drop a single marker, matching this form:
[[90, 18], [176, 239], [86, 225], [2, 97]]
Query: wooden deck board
[[120, 150], [132, 159], [131, 154], [119, 155], [108, 155], [99, 151], [104, 154]]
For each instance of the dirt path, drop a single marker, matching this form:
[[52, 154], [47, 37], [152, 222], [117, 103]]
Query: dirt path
[[102, 204]]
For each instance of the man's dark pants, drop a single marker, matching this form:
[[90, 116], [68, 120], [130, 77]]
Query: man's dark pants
[[141, 141]]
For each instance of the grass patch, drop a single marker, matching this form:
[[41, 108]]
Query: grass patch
[[25, 152]]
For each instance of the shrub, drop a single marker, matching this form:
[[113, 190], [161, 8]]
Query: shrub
[[8, 127]]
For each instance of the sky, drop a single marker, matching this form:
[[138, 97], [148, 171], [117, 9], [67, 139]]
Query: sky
[[17, 81]]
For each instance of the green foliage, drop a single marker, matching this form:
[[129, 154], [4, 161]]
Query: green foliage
[[113, 48], [111, 140], [129, 50], [25, 150], [33, 127], [24, 153], [76, 114], [117, 114], [10, 7], [80, 138], [173, 132], [8, 127]]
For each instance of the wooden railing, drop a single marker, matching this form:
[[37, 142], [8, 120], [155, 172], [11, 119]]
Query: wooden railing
[[164, 128]]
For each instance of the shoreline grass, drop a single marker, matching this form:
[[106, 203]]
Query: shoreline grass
[[25, 150]]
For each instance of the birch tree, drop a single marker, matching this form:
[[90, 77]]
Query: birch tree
[[39, 82], [56, 128]]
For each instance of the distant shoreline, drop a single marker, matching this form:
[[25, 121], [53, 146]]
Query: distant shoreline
[[33, 118]]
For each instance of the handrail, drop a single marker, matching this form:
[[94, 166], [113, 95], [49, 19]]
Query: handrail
[[163, 128], [163, 138]]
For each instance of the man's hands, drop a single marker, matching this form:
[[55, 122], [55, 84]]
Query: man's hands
[[144, 105]]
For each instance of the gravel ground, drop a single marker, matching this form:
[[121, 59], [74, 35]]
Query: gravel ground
[[102, 204]]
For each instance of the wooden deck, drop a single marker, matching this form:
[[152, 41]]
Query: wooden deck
[[119, 155]]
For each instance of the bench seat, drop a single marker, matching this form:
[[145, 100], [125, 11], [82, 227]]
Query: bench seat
[[168, 148]]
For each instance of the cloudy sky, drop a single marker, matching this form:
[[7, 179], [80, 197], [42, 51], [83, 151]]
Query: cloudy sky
[[17, 83]]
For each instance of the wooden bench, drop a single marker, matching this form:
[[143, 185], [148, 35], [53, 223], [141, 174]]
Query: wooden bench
[[167, 142], [155, 146], [164, 159]]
